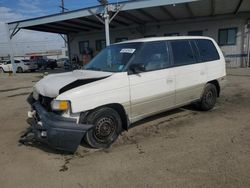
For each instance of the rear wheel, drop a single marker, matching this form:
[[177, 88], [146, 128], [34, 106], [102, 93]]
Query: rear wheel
[[19, 70], [107, 127], [208, 98]]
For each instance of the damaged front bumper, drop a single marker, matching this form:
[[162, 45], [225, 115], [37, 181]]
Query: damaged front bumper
[[58, 132]]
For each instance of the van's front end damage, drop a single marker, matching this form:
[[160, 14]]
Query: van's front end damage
[[54, 130]]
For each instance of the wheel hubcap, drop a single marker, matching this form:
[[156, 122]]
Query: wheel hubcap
[[105, 128], [210, 97]]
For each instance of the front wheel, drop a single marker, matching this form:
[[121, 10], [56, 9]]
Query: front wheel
[[107, 127], [208, 98], [1, 70]]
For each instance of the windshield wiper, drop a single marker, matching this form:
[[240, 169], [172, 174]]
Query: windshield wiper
[[93, 68]]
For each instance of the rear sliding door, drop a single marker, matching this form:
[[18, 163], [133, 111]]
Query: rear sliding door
[[190, 72]]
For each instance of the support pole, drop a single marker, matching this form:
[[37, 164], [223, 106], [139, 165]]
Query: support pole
[[69, 51], [11, 52], [248, 43], [106, 18], [62, 6]]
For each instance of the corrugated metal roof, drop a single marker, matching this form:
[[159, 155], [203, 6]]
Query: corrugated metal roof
[[133, 13]]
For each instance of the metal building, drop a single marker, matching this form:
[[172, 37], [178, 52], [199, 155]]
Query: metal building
[[228, 22]]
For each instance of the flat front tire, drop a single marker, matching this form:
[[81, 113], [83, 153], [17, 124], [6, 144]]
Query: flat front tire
[[209, 97], [107, 127]]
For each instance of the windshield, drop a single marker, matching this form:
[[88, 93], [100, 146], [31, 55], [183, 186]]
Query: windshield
[[113, 58]]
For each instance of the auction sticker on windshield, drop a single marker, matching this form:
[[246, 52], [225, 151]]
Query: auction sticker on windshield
[[127, 50]]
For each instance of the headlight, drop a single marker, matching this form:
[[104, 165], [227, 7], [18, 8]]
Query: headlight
[[60, 105]]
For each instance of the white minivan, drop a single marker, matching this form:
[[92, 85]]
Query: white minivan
[[124, 83]]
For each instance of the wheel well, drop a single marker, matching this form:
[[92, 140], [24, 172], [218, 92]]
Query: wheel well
[[117, 107], [121, 111], [217, 85]]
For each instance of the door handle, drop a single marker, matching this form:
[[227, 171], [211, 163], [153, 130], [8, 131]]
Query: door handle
[[202, 73], [170, 80]]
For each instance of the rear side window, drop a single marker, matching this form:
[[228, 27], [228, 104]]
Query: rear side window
[[182, 52], [207, 50]]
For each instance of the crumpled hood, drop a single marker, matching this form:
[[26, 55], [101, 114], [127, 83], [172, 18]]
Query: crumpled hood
[[51, 85]]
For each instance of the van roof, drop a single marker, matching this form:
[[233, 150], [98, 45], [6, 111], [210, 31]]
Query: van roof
[[151, 39]]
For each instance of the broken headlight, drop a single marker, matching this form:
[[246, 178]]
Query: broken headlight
[[60, 105]]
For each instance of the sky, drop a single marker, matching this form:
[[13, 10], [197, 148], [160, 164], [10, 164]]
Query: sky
[[29, 41]]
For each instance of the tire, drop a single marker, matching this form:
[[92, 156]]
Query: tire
[[2, 70], [209, 97], [108, 126], [19, 70]]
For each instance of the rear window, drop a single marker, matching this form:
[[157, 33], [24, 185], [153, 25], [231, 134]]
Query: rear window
[[182, 52], [207, 50], [24, 60]]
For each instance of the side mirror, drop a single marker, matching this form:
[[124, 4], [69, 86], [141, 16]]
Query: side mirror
[[137, 68]]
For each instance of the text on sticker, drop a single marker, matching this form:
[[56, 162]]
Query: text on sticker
[[127, 50]]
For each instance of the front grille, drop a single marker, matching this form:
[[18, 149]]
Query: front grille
[[45, 102]]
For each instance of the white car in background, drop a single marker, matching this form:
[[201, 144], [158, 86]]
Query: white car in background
[[21, 66], [61, 62]]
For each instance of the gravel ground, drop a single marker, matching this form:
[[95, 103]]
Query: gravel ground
[[180, 148]]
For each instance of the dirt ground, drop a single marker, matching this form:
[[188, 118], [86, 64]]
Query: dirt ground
[[180, 148]]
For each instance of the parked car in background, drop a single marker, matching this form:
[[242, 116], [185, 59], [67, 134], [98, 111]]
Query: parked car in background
[[39, 60], [67, 65], [21, 66], [123, 84], [61, 62], [43, 62], [51, 63]]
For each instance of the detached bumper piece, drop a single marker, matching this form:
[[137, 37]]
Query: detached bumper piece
[[58, 132]]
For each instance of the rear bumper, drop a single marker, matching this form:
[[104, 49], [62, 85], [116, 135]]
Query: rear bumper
[[58, 132]]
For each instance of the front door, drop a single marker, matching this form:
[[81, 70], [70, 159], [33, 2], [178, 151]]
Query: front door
[[152, 90]]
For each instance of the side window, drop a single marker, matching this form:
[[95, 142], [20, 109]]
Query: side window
[[83, 45], [227, 36], [182, 52], [8, 62], [100, 44], [153, 55], [17, 61], [207, 50]]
